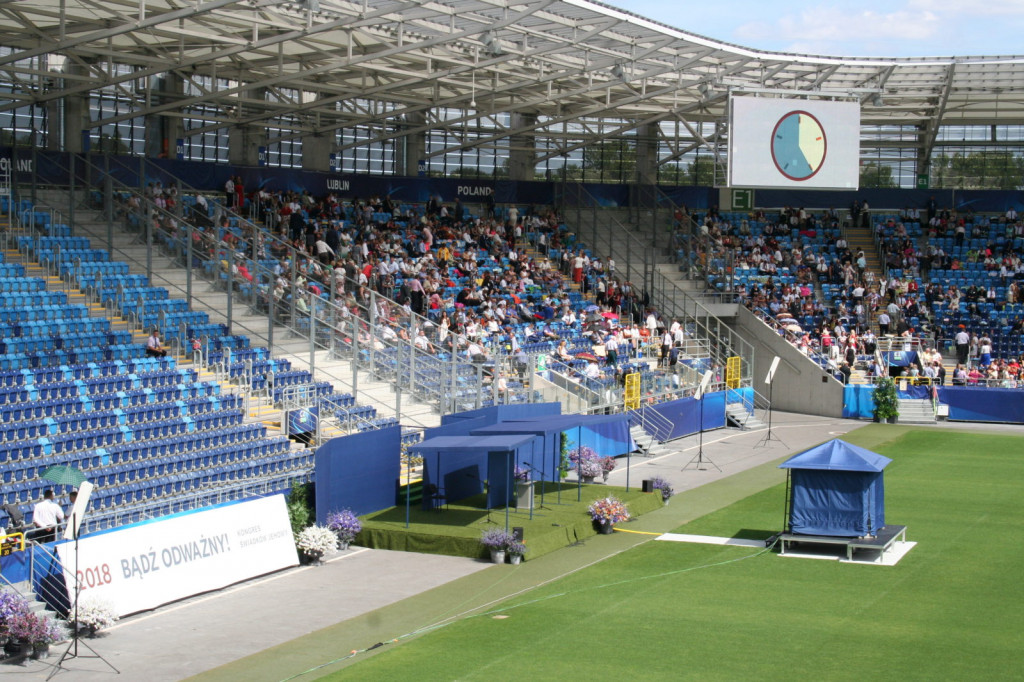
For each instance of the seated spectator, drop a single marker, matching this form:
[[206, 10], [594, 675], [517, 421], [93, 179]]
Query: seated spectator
[[153, 347]]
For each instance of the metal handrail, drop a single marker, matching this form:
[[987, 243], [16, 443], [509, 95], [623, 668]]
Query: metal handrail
[[653, 422]]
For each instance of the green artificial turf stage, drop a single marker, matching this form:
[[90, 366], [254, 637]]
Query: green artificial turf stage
[[456, 530], [951, 610]]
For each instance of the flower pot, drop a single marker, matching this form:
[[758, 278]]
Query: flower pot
[[893, 420], [665, 500], [17, 649], [588, 479], [40, 650], [312, 559], [604, 476], [515, 559], [343, 544], [12, 648], [497, 556], [604, 528]]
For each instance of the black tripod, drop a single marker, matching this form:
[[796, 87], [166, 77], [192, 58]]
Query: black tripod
[[699, 458], [768, 435], [72, 649]]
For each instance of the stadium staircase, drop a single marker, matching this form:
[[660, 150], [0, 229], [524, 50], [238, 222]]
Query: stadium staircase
[[916, 411], [737, 415]]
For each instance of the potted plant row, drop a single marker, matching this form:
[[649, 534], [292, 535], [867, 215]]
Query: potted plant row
[[500, 543], [25, 632]]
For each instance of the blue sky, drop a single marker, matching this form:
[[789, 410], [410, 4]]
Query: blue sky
[[868, 28]]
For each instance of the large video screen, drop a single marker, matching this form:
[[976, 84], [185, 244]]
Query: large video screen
[[793, 143]]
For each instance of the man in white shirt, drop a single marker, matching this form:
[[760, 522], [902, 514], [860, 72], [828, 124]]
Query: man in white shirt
[[883, 323], [45, 516], [421, 341], [153, 347]]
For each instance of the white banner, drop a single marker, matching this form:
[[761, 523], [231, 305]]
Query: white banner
[[804, 144], [145, 565]]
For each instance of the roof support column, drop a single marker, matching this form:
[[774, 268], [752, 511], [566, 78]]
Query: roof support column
[[522, 159], [75, 126], [317, 150], [244, 141], [646, 154], [411, 148], [163, 131]]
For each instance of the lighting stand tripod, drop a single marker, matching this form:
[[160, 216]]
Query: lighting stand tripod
[[699, 458], [768, 435], [72, 649]]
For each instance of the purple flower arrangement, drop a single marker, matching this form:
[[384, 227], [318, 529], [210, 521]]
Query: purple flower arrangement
[[522, 475], [12, 605], [496, 539], [607, 464], [345, 523], [586, 461], [659, 483], [34, 628]]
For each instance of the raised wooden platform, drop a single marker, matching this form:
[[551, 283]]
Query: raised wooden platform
[[886, 537]]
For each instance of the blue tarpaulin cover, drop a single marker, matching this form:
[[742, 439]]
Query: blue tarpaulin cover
[[836, 489]]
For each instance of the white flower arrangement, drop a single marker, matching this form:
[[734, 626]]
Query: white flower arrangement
[[95, 613], [316, 541]]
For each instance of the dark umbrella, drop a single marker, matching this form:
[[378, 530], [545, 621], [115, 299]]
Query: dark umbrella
[[64, 474]]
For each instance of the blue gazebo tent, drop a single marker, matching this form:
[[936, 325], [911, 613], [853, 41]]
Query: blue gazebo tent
[[836, 489]]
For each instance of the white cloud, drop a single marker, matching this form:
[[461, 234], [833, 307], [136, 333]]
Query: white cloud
[[844, 30], [971, 8]]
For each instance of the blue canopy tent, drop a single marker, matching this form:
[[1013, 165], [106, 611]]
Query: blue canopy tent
[[607, 434], [835, 489], [461, 464]]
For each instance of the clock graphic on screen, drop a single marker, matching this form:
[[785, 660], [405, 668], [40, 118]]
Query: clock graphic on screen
[[799, 145]]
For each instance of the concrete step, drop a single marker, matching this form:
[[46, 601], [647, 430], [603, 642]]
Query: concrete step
[[24, 588], [916, 411], [736, 415], [645, 442]]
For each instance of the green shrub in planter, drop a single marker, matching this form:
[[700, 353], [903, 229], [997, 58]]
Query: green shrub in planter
[[887, 400]]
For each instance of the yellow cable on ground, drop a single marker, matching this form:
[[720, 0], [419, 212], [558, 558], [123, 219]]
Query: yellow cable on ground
[[638, 532]]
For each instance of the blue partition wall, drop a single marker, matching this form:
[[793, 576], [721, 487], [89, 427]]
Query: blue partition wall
[[606, 434], [685, 414], [358, 472], [966, 403], [972, 403], [499, 413], [858, 401]]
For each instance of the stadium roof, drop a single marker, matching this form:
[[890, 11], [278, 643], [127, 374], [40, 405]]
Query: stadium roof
[[421, 64]]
